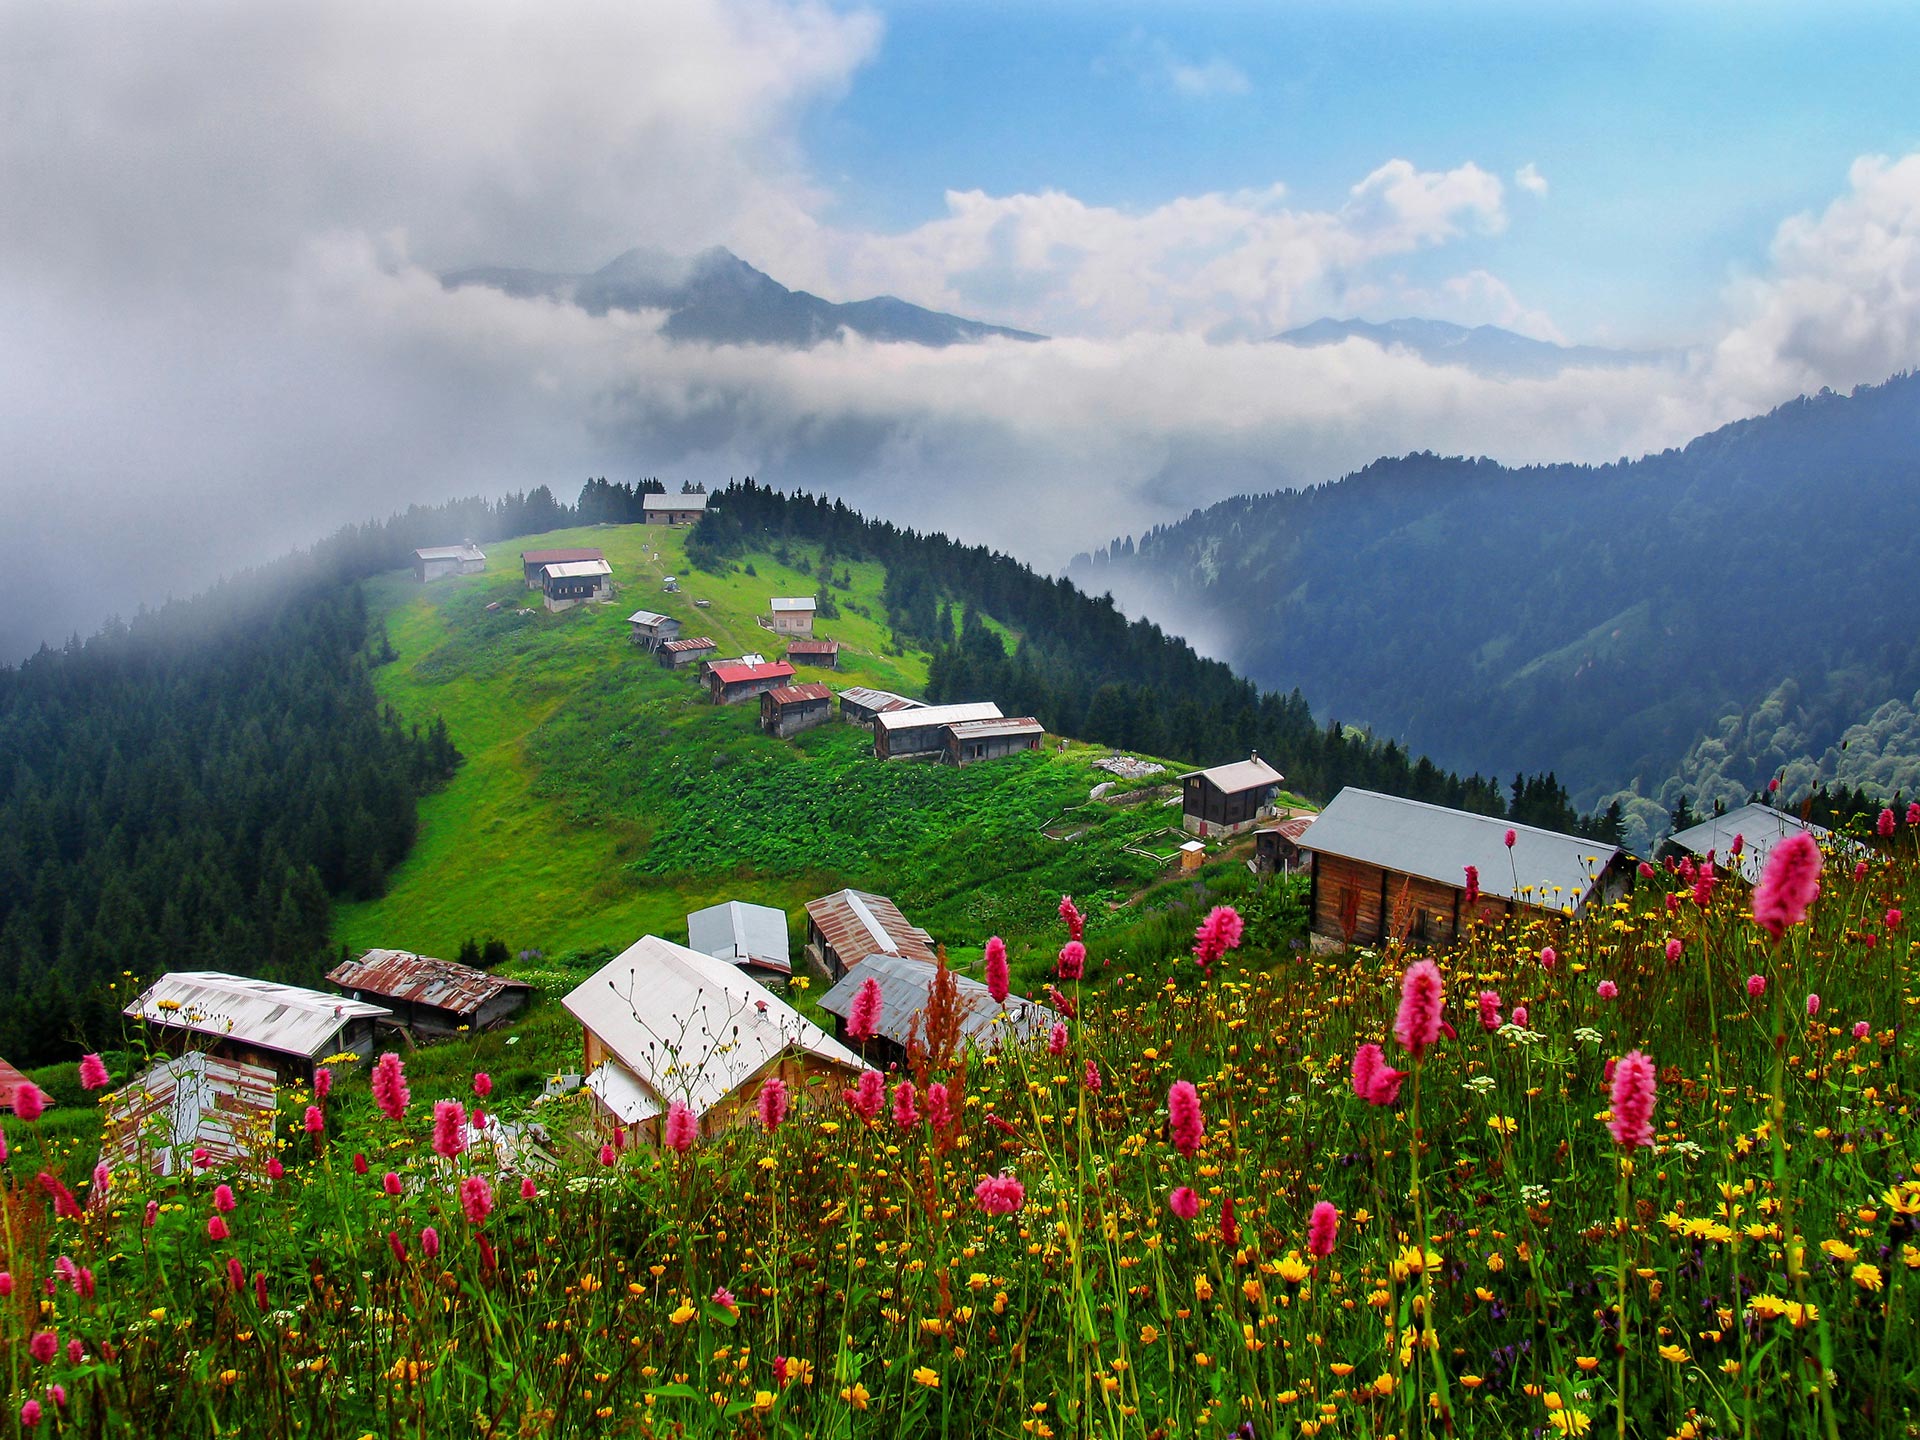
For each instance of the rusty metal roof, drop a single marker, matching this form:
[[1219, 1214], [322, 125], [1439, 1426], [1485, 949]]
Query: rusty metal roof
[[796, 694], [879, 700], [193, 1101], [1292, 828], [1006, 725], [813, 647], [856, 923], [422, 980], [286, 1018], [9, 1079], [692, 642]]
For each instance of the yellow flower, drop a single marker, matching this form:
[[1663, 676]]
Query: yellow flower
[[1202, 1288], [1502, 1124], [1840, 1250], [1767, 1307], [855, 1395], [683, 1314], [1867, 1277], [1292, 1271], [1148, 1335], [1570, 1422], [1587, 1363], [927, 1377], [1674, 1355], [763, 1401]]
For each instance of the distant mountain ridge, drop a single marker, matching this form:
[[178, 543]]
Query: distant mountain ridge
[[1485, 349], [716, 298]]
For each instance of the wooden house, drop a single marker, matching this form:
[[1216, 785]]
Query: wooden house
[[569, 583], [1386, 868], [192, 1102], [1276, 847], [652, 629], [285, 1028], [754, 937], [10, 1080], [1758, 828], [922, 730], [533, 563], [905, 986], [972, 740], [661, 1022], [847, 926], [1228, 798], [860, 703], [789, 709], [1193, 855], [431, 997], [791, 616], [673, 509], [814, 652], [437, 562], [730, 682], [672, 654]]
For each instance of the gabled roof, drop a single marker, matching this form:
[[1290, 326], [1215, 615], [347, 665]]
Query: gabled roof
[[560, 557], [795, 603], [1293, 827], [735, 673], [855, 922], [685, 1026], [813, 690], [193, 1101], [813, 647], [1410, 837], [696, 501], [1761, 827], [649, 618], [9, 1078], [740, 933], [976, 729], [450, 552], [422, 980], [882, 700], [577, 569], [286, 1018], [904, 986], [1254, 774], [914, 719], [692, 642]]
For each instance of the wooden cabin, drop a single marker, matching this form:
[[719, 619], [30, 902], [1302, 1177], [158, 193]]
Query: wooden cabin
[[533, 563], [651, 629], [754, 937], [1276, 847], [431, 997], [815, 652], [661, 1022], [673, 509], [969, 741], [792, 616], [10, 1080], [284, 1028], [672, 654], [922, 730], [847, 926], [1387, 868], [568, 583], [1758, 827], [730, 682], [192, 1102], [860, 703], [905, 986], [439, 562], [1227, 799], [789, 709]]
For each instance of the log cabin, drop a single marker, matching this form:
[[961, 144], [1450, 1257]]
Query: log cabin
[[650, 629], [1227, 799], [730, 682], [673, 509], [791, 616], [969, 741], [533, 563], [693, 650], [439, 562], [429, 997], [788, 709], [192, 1103], [568, 583], [1276, 847], [847, 926], [860, 703], [922, 730], [825, 653]]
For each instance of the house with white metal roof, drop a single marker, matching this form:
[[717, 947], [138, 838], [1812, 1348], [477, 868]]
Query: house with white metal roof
[[1758, 827], [651, 629], [905, 986], [1227, 798], [753, 937], [567, 583], [285, 1028], [673, 509], [792, 615], [922, 730], [437, 562]]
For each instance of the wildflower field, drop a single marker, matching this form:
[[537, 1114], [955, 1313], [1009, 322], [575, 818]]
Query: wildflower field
[[1648, 1172]]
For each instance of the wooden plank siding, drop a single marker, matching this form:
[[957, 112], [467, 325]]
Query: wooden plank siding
[[1349, 892]]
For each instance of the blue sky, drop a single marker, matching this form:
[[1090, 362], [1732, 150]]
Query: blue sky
[[1673, 138]]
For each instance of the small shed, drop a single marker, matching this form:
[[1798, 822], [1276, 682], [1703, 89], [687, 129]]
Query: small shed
[[429, 996], [730, 682], [860, 703], [815, 652], [1758, 827], [533, 563], [662, 1022], [652, 629], [923, 729], [789, 709], [285, 1028], [1276, 847], [847, 926], [10, 1080], [576, 582], [905, 986], [1227, 799], [1384, 867], [673, 509], [972, 740], [753, 937], [792, 615], [194, 1101], [1193, 855], [437, 562], [672, 654]]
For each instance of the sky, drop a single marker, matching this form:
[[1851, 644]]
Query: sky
[[223, 225]]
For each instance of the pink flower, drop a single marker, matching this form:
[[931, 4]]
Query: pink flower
[[905, 1115], [223, 1200], [1323, 1227], [1368, 1065], [1548, 959], [723, 1297], [1520, 1016], [1184, 1203], [322, 1082], [1421, 993], [1633, 1092], [65, 1207], [1490, 1010], [1773, 785], [1789, 884], [1473, 886], [397, 1245], [1076, 922], [3, 1146], [1860, 870], [153, 1214], [449, 1128], [997, 969], [1220, 932], [1813, 1005], [1073, 960], [1000, 1195], [1057, 1038], [1886, 822], [44, 1346], [260, 1289], [1091, 1077], [482, 1084], [93, 1073], [868, 1096], [607, 1156], [1673, 904], [528, 1190], [1606, 990], [30, 1415], [476, 1199], [1703, 884], [217, 1228], [315, 1122], [236, 1275], [939, 1108], [76, 1352], [1183, 1117], [1739, 844], [6, 1280], [1861, 1029], [29, 1101], [772, 1103], [1673, 951], [430, 1242], [865, 1016], [390, 1183], [1756, 986], [390, 1086], [275, 1169], [359, 1163], [683, 1128], [102, 1178], [1913, 812], [1511, 838], [1229, 1226], [1646, 871], [1893, 919]]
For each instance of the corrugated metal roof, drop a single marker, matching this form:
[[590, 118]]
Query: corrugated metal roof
[[692, 642], [791, 604], [422, 980], [620, 1090], [904, 985], [1761, 827], [560, 557], [881, 700], [975, 729], [1410, 837], [734, 674], [651, 501], [689, 1027], [287, 1018], [451, 552], [813, 647], [855, 922], [738, 932], [936, 715], [649, 618], [578, 569], [9, 1078], [193, 1101], [795, 694], [1293, 827], [1240, 775]]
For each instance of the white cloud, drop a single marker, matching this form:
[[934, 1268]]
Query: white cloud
[[1208, 78], [1156, 65], [1529, 179]]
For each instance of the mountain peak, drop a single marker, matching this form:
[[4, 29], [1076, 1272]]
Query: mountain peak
[[1485, 349]]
